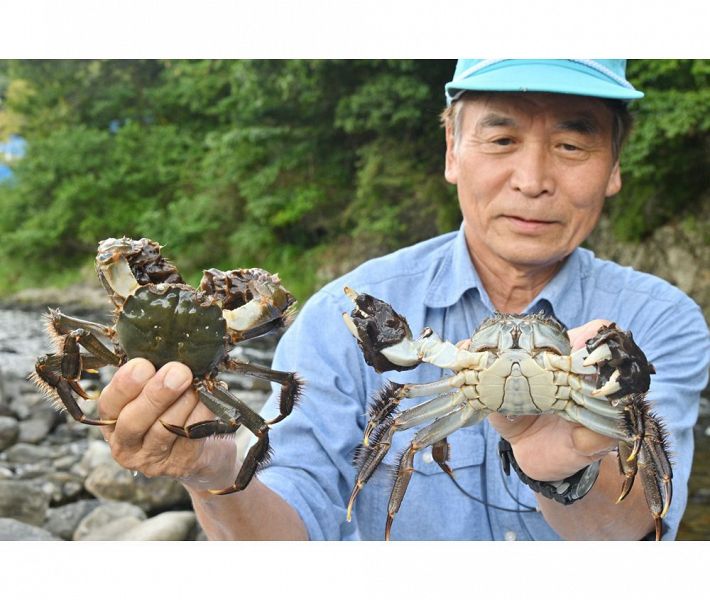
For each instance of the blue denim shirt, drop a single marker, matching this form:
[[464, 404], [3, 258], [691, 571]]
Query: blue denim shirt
[[435, 284]]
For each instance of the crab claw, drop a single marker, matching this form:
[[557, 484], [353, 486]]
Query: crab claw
[[253, 300], [382, 334], [622, 366], [600, 354], [610, 387]]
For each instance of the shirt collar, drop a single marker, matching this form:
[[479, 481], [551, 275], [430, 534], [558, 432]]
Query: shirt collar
[[456, 274], [563, 294]]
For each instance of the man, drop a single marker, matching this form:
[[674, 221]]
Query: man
[[533, 148]]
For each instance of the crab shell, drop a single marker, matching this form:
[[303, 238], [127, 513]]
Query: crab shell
[[162, 319]]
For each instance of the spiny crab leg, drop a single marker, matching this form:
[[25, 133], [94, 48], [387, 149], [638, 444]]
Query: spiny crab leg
[[291, 385], [369, 457], [462, 416], [389, 397]]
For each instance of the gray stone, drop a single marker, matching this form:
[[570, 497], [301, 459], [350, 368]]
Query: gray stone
[[23, 501], [14, 530], [168, 526], [110, 481], [66, 462], [104, 514], [63, 520], [98, 452], [112, 531], [23, 452], [26, 399], [27, 471], [9, 432], [37, 427]]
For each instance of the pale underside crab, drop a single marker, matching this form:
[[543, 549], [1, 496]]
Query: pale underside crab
[[159, 317], [514, 365]]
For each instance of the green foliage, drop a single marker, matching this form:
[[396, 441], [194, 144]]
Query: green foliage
[[667, 159], [304, 167]]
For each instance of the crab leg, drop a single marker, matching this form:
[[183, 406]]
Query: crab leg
[[369, 457], [228, 421], [440, 454], [50, 378], [463, 416], [258, 454], [59, 375], [390, 396], [641, 448], [291, 384], [61, 324]]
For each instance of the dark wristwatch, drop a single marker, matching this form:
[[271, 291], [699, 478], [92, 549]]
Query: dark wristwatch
[[565, 491]]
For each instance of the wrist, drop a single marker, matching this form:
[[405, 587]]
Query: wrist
[[565, 491], [216, 468]]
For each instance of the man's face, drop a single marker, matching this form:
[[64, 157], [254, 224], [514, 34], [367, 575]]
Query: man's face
[[532, 172]]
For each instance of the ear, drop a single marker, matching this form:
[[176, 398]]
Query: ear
[[613, 186], [451, 169]]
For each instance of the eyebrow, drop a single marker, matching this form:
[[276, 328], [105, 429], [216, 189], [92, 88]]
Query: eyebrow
[[583, 124], [495, 120]]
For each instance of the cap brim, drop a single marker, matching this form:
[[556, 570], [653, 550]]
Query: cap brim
[[541, 76]]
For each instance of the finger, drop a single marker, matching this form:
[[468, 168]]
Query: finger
[[159, 393], [579, 335], [590, 443], [125, 386]]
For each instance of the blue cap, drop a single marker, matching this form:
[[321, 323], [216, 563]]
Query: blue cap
[[601, 78]]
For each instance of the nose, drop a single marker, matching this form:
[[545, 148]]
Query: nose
[[532, 175]]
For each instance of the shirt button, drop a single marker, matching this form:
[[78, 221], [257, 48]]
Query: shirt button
[[427, 457], [510, 536]]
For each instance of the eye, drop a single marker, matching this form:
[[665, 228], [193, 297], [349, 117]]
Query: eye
[[569, 147], [503, 141]]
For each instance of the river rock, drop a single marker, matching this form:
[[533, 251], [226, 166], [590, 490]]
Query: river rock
[[63, 520], [112, 531], [110, 481], [14, 530], [9, 432], [23, 501], [171, 526], [26, 398], [23, 452], [37, 427], [104, 514]]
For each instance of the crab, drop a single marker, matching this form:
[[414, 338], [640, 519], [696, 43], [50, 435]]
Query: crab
[[157, 316], [513, 365]]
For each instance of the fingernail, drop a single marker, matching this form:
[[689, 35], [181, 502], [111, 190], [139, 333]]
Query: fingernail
[[141, 371], [175, 378]]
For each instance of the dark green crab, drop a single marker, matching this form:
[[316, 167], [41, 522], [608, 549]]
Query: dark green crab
[[159, 317]]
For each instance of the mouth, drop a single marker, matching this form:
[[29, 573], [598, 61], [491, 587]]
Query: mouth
[[528, 225]]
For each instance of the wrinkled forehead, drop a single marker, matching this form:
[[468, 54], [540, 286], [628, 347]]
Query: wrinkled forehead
[[519, 109]]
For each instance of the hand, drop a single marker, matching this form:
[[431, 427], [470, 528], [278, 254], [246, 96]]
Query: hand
[[139, 399], [548, 447]]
